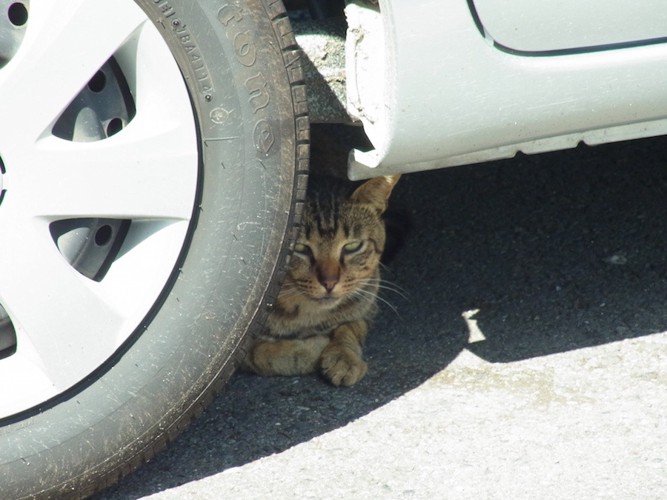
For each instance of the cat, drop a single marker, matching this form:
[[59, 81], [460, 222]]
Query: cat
[[321, 316]]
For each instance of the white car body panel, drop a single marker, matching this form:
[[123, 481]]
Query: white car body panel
[[432, 91], [537, 26]]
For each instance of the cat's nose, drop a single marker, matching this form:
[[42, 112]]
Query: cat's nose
[[329, 283], [328, 274]]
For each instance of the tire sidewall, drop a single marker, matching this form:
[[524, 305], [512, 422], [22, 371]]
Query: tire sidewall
[[231, 59]]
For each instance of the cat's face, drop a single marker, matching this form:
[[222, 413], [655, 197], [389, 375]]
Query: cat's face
[[338, 251]]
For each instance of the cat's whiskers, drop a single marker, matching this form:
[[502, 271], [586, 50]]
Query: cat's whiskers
[[362, 295], [288, 291], [371, 297], [384, 267], [386, 285]]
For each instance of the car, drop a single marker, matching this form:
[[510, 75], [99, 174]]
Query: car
[[439, 84], [154, 161]]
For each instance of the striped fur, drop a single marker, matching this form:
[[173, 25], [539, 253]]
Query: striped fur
[[321, 317]]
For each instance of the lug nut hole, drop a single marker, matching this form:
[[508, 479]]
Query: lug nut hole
[[97, 82], [18, 14], [103, 235], [114, 126]]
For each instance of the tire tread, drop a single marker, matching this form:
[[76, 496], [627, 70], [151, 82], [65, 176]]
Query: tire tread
[[292, 55]]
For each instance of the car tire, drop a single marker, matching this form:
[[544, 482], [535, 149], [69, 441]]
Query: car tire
[[240, 64]]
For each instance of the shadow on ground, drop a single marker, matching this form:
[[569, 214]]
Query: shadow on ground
[[556, 252]]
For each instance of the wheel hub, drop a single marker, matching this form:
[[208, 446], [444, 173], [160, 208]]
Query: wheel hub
[[102, 108], [87, 161]]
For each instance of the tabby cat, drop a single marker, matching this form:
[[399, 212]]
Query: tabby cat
[[320, 319]]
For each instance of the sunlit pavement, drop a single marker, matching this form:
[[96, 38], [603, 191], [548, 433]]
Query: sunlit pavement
[[588, 423]]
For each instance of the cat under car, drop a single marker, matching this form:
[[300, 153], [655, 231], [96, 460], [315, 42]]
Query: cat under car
[[321, 318]]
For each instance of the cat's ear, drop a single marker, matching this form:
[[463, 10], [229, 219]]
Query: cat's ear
[[376, 191]]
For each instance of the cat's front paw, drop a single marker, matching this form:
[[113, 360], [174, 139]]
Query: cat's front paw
[[342, 366]]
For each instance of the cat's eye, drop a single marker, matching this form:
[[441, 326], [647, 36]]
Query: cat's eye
[[353, 246], [302, 249]]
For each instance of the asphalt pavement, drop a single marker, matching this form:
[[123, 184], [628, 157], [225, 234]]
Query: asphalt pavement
[[524, 356]]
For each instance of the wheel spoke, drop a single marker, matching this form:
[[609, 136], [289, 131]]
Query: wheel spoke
[[56, 312], [57, 59], [128, 176], [66, 324]]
